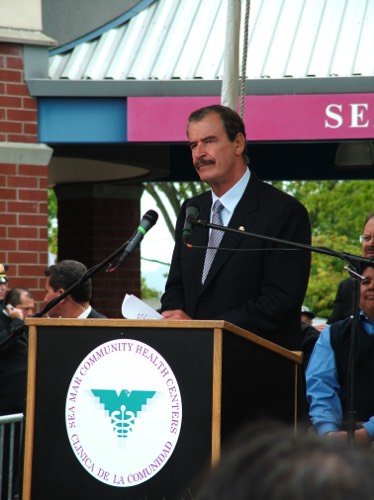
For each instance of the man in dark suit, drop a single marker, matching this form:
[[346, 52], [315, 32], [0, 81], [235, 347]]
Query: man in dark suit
[[18, 305], [61, 277], [254, 283], [343, 303]]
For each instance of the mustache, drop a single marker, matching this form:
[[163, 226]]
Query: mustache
[[202, 162]]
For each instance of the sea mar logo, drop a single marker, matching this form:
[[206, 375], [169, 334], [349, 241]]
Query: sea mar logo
[[123, 412]]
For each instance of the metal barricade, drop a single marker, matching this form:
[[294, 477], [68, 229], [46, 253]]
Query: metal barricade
[[11, 453]]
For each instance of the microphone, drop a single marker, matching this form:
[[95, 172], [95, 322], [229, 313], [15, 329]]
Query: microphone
[[148, 220], [191, 213]]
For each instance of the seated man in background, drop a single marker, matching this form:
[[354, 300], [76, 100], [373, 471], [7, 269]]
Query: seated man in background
[[62, 276], [342, 306], [327, 380]]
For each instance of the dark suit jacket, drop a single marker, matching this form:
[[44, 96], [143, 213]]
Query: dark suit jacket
[[260, 290], [95, 314], [13, 367], [342, 306]]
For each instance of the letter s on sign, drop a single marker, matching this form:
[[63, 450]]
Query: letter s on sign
[[334, 116]]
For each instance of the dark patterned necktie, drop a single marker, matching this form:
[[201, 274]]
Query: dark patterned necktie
[[214, 238]]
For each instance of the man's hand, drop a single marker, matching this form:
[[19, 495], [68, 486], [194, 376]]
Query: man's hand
[[361, 436], [13, 312], [175, 314]]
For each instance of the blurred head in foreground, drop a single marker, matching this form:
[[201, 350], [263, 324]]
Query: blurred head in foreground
[[273, 463]]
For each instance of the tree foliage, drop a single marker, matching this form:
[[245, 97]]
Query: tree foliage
[[52, 222], [175, 193], [148, 293], [337, 212]]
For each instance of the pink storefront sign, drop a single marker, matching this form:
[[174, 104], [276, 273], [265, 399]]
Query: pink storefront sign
[[267, 118]]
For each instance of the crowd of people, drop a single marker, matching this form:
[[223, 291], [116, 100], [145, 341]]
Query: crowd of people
[[18, 304], [257, 283]]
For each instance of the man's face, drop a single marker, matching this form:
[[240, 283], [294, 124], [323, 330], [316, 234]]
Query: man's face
[[368, 246], [50, 294], [367, 292], [217, 160], [27, 305]]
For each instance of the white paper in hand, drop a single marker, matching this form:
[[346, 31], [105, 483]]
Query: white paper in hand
[[134, 308]]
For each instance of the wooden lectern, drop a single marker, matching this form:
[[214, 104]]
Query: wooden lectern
[[227, 376]]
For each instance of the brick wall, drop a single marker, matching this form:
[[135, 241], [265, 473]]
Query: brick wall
[[23, 188], [18, 110], [91, 228]]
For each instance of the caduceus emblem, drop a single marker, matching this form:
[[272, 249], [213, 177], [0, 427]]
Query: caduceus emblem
[[123, 407]]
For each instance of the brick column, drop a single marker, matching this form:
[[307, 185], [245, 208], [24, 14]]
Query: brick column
[[95, 221], [23, 183]]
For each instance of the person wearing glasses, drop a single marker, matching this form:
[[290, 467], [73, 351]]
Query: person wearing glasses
[[328, 379], [342, 306]]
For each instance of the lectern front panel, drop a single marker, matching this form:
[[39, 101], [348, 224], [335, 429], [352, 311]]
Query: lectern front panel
[[56, 471]]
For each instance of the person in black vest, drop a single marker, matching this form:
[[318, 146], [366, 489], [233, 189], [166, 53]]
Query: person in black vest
[[327, 373], [342, 305]]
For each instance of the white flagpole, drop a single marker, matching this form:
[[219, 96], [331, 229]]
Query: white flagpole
[[230, 79]]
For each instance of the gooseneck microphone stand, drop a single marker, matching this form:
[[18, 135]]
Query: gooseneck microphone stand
[[352, 261], [17, 332]]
